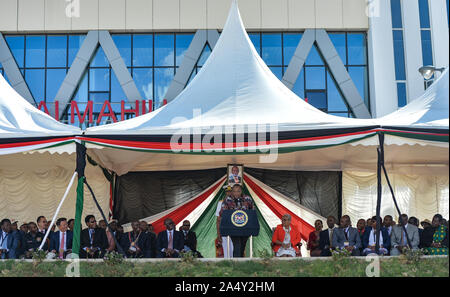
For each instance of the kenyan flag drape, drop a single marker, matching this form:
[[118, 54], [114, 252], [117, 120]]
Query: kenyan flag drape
[[270, 205]]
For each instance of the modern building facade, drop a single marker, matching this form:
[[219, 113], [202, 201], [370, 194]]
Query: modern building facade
[[352, 58]]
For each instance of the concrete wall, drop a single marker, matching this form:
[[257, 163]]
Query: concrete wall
[[170, 15]]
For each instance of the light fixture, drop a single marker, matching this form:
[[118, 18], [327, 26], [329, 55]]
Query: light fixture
[[428, 71]]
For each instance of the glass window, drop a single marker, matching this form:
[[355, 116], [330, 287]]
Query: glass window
[[81, 94], [35, 81], [75, 42], [123, 44], [117, 93], [98, 100], [335, 100], [143, 77], [56, 51], [427, 49], [164, 50], [54, 80], [290, 43], [358, 75], [318, 99], [182, 44], [356, 49], [271, 48], [315, 78], [424, 13], [401, 93], [17, 47], [299, 86], [143, 50], [35, 51], [256, 40], [338, 40], [99, 59], [163, 77], [204, 56], [314, 57], [98, 79], [396, 13], [278, 71], [399, 55]]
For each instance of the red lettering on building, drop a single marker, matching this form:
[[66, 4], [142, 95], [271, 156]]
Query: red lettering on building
[[89, 108], [109, 114]]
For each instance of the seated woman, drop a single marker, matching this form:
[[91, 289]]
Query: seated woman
[[435, 238], [313, 240], [286, 239], [369, 239]]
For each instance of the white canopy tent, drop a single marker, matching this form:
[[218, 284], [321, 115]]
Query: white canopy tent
[[37, 161], [234, 95], [418, 131]]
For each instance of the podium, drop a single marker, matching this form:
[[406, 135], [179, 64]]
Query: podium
[[239, 223]]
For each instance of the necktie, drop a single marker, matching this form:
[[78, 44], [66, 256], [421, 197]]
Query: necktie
[[346, 234], [61, 246], [331, 237], [170, 246]]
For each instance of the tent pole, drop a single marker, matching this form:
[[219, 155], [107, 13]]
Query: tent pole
[[380, 151], [81, 165]]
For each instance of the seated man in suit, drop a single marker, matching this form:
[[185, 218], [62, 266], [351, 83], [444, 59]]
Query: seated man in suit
[[33, 240], [169, 242], [136, 244], [9, 240], [93, 240], [190, 239], [399, 239], [369, 239], [347, 237], [61, 241], [326, 237], [151, 238], [388, 223]]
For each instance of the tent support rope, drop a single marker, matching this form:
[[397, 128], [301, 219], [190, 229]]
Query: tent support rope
[[119, 248]]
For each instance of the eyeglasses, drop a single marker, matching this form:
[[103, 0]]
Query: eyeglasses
[[94, 221], [186, 225]]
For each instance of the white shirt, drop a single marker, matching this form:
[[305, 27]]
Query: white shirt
[[219, 208], [373, 238], [4, 241], [61, 234]]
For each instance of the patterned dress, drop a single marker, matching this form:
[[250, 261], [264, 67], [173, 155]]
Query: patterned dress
[[438, 236]]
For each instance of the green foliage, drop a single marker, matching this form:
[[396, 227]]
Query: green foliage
[[339, 254], [412, 256], [113, 258], [188, 257], [346, 267], [38, 256]]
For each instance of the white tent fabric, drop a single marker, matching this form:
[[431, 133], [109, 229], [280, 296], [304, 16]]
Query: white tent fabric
[[235, 92], [234, 87], [417, 195], [428, 111], [37, 160], [20, 119]]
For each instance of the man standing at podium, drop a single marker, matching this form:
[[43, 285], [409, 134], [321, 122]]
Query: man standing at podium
[[234, 202]]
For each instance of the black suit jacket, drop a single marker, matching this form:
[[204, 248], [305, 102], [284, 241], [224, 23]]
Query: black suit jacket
[[190, 240], [100, 239], [145, 243], [324, 239], [162, 240]]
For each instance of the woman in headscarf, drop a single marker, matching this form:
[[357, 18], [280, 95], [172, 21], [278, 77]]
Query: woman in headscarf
[[286, 239], [435, 238]]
